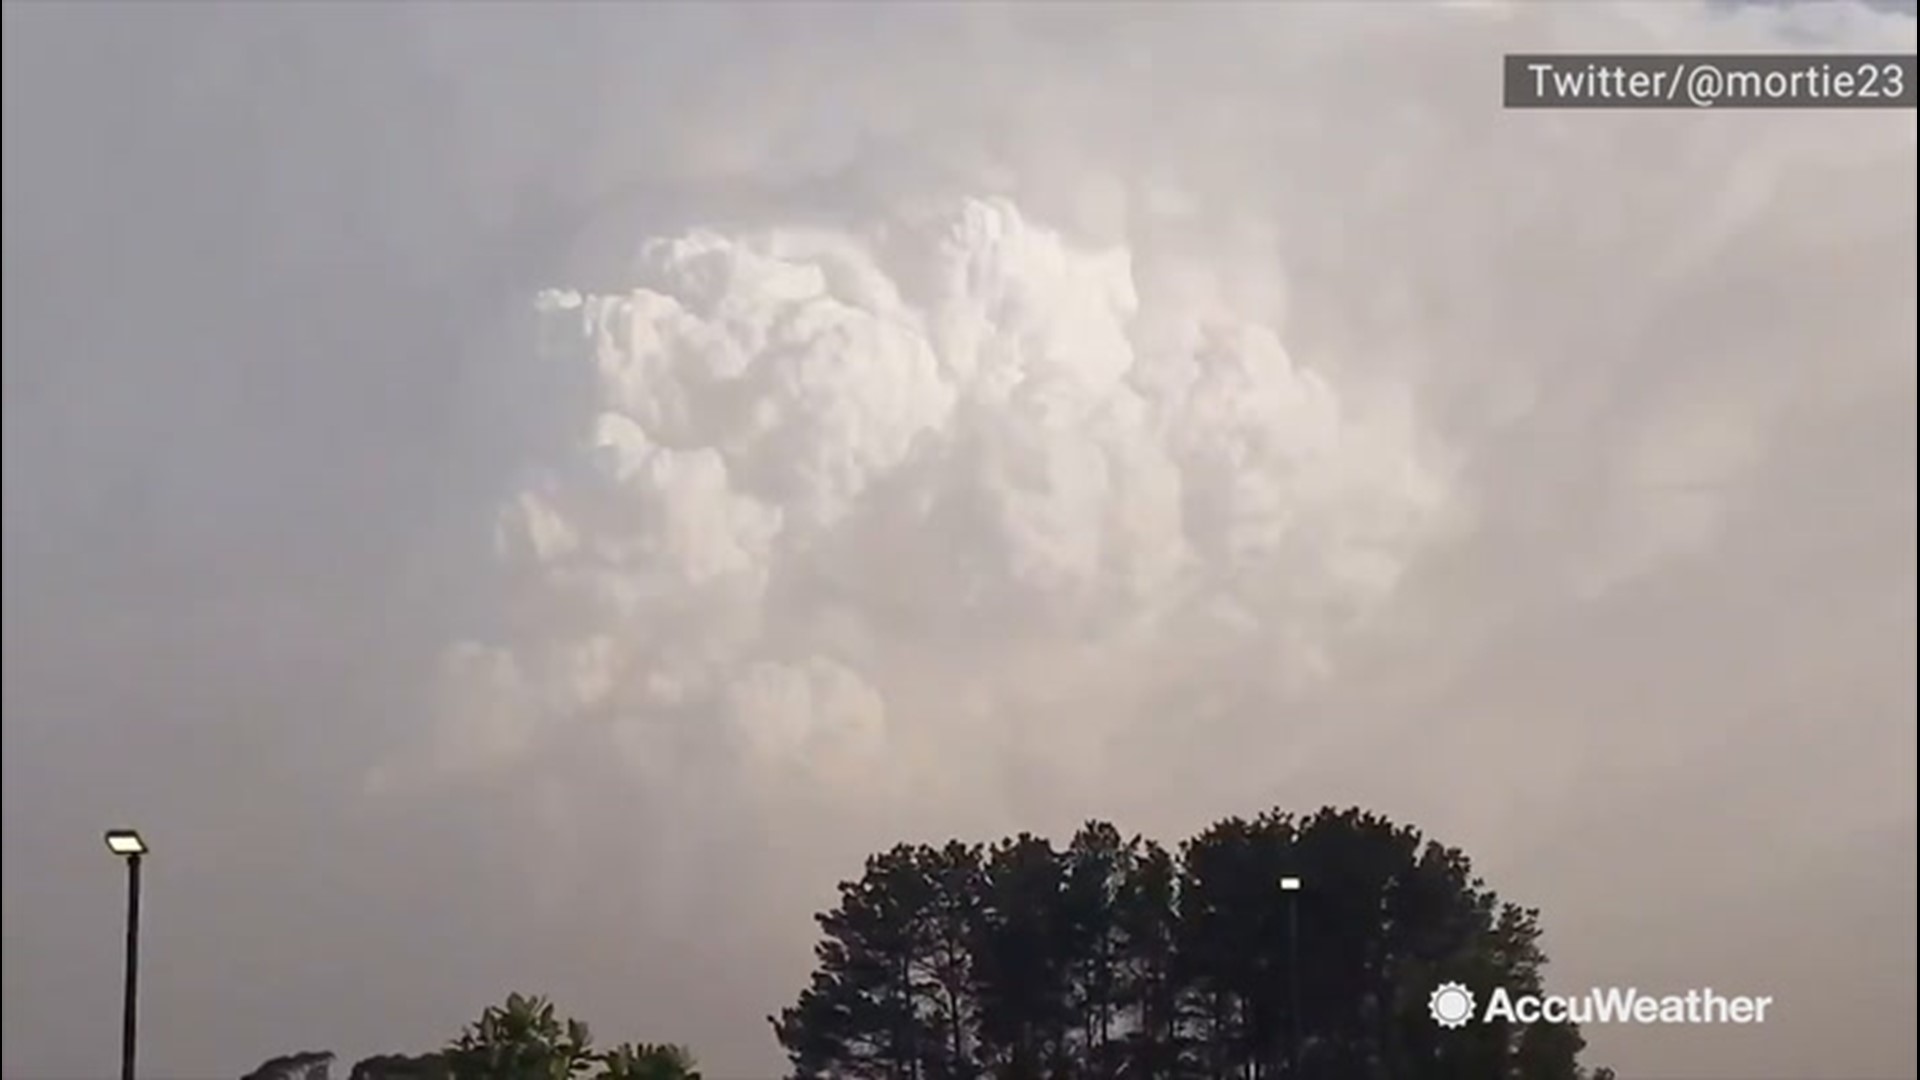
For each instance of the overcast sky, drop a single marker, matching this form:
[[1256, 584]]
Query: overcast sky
[[1150, 412]]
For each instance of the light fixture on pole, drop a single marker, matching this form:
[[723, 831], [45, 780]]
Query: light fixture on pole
[[129, 845]]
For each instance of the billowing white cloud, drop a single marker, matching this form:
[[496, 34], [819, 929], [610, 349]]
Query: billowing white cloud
[[950, 432]]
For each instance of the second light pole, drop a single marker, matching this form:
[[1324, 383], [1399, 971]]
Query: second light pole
[[1291, 886]]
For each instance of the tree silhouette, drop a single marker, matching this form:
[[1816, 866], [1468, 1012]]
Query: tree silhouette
[[649, 1061], [401, 1067], [1115, 958], [522, 1038]]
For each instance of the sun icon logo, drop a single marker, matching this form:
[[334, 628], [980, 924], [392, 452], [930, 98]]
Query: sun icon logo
[[1451, 1005]]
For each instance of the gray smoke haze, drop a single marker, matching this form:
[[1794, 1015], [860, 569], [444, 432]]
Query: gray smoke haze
[[526, 497]]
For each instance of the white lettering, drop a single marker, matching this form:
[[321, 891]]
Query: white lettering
[[1625, 1005], [1539, 78], [1613, 1005]]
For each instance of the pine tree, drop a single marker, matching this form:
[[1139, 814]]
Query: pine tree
[[859, 1018]]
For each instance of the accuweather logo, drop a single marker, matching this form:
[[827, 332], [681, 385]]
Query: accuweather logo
[[1453, 1006]]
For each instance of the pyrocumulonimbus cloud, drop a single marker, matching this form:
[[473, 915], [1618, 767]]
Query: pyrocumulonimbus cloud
[[848, 503]]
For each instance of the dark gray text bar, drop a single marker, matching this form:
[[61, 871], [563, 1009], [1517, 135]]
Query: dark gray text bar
[[1710, 81]]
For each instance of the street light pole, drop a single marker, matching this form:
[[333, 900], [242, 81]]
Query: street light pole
[[1291, 886], [127, 844], [129, 1008]]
